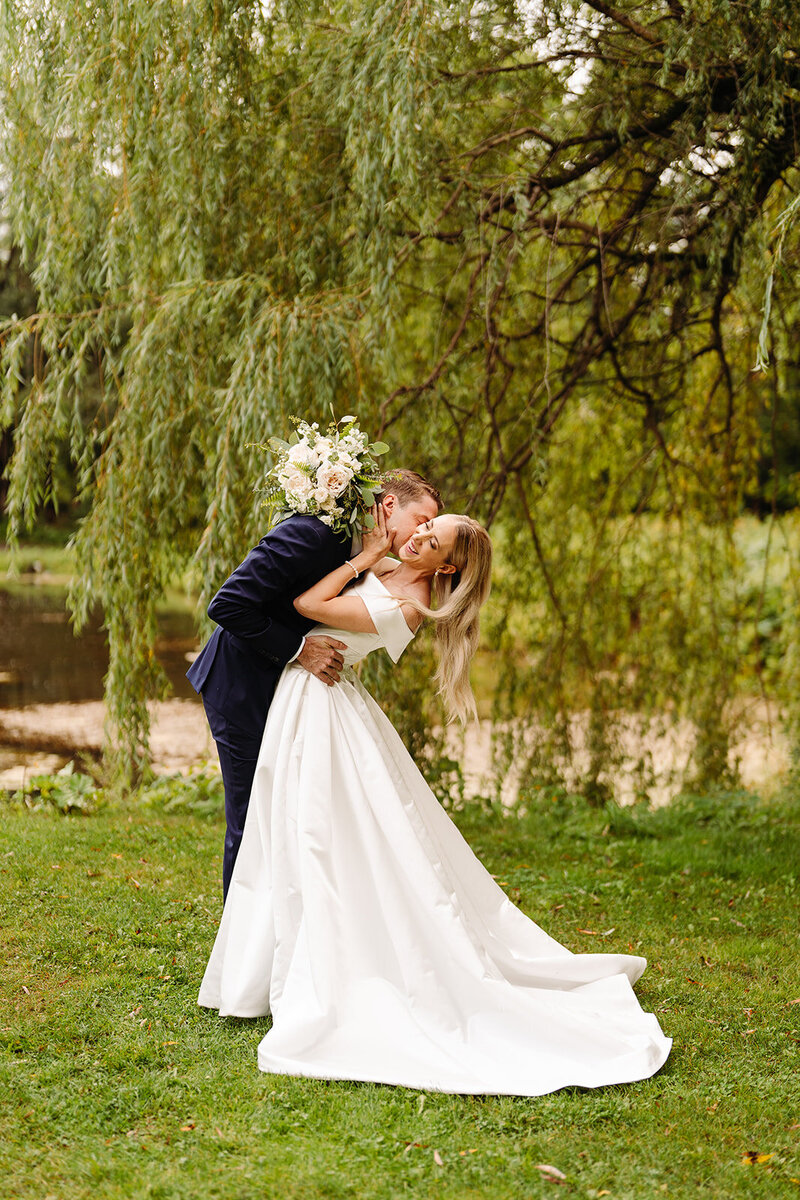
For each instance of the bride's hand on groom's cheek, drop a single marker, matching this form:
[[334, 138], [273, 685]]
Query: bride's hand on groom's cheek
[[377, 541]]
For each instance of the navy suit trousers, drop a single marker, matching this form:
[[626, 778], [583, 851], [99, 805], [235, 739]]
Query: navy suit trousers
[[238, 755], [259, 632]]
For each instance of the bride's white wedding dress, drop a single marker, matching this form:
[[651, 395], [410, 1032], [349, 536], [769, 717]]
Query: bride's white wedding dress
[[359, 917]]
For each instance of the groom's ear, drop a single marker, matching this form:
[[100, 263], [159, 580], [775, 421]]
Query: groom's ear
[[389, 502]]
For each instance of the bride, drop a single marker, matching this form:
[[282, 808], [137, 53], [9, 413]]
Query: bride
[[357, 914]]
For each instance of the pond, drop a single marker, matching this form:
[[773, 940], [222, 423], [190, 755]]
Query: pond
[[43, 662]]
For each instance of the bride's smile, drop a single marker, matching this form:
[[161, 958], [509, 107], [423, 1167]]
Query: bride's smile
[[430, 545]]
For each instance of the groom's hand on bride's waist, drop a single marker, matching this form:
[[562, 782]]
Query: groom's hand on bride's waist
[[322, 657]]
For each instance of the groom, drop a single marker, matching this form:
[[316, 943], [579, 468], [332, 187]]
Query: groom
[[259, 632]]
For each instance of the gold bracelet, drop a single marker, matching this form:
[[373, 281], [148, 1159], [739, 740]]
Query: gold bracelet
[[347, 563]]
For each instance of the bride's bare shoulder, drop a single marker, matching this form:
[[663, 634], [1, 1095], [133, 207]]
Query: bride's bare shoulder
[[384, 567]]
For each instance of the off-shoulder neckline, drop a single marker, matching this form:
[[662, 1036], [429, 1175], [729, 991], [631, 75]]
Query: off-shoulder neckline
[[391, 595]]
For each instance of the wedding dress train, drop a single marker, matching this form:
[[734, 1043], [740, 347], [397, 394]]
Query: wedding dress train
[[359, 917]]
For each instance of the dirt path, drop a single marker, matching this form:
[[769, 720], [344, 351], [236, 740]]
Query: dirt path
[[43, 737]]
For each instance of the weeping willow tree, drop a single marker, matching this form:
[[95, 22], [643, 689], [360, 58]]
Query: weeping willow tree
[[527, 244]]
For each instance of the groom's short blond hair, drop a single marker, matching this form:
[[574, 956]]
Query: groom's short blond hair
[[408, 486]]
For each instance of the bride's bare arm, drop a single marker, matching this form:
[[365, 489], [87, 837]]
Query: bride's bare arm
[[323, 603]]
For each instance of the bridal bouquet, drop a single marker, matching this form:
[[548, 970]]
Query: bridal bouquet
[[332, 475]]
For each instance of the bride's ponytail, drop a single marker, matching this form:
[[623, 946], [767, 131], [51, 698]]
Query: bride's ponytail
[[459, 597]]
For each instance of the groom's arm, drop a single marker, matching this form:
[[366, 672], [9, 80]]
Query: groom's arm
[[274, 570]]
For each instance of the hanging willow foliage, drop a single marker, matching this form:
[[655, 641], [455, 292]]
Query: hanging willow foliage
[[527, 245]]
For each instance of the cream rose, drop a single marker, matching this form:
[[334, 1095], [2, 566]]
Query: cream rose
[[334, 477]]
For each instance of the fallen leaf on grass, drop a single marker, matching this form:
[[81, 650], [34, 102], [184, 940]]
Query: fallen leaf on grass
[[437, 1158], [750, 1157], [789, 1003], [186, 1128], [604, 1192], [550, 1172]]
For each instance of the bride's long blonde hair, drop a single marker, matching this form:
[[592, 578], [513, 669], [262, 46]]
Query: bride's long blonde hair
[[459, 597]]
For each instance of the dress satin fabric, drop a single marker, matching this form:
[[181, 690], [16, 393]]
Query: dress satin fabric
[[361, 920]]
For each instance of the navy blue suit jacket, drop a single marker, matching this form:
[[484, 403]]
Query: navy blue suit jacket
[[259, 629]]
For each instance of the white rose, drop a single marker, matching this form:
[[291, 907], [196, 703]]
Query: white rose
[[297, 483], [334, 477], [301, 454]]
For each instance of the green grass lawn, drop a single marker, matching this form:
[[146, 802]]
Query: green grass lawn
[[117, 1085]]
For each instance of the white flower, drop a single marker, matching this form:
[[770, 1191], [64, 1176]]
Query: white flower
[[334, 477], [349, 461], [296, 483], [302, 454]]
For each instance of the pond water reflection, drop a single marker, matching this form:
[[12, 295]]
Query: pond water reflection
[[42, 662]]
